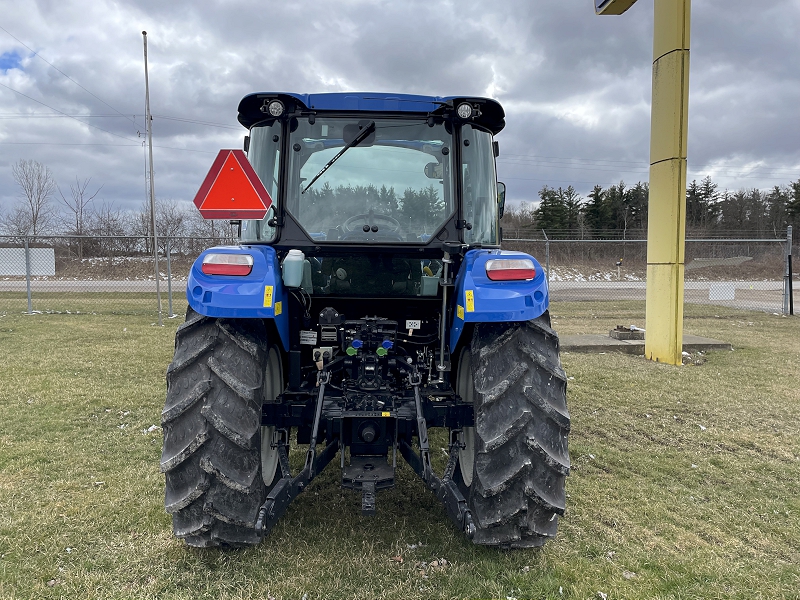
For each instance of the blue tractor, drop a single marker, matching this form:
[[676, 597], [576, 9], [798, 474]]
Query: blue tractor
[[369, 305]]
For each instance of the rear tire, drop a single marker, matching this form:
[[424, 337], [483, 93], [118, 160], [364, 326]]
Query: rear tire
[[513, 468], [211, 456]]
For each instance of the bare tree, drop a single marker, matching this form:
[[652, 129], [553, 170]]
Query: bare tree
[[140, 223], [170, 219], [37, 185], [16, 223], [109, 225], [209, 231], [108, 221], [78, 207]]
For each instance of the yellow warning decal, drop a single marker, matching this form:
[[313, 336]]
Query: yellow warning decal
[[460, 312], [386, 414], [267, 296], [278, 308], [470, 300]]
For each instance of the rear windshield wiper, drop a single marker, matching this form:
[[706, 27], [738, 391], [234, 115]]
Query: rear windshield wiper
[[368, 128]]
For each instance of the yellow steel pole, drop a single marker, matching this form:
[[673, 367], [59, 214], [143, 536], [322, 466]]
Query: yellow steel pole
[[666, 221]]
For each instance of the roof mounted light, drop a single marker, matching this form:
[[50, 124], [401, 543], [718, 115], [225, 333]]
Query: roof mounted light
[[227, 264], [274, 107], [464, 110]]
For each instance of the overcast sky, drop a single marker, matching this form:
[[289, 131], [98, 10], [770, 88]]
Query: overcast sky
[[576, 87]]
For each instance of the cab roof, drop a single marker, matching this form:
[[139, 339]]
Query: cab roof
[[491, 114]]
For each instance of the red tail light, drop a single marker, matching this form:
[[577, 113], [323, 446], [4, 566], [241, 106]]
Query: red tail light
[[510, 269], [227, 264]]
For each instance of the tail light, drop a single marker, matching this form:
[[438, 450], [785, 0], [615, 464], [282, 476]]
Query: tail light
[[227, 264], [510, 269]]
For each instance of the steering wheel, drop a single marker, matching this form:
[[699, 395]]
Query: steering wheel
[[349, 225]]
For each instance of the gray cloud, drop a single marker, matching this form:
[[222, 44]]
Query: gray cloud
[[576, 87]]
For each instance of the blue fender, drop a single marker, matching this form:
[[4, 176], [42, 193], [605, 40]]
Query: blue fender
[[259, 295], [478, 299]]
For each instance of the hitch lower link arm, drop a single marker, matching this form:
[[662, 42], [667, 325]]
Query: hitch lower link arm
[[445, 488], [415, 379], [287, 487]]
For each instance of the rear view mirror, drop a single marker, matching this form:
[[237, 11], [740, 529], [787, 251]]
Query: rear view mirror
[[351, 131], [501, 199], [433, 170]]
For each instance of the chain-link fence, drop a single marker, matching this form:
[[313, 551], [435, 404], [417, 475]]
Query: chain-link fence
[[81, 274], [750, 274], [117, 274]]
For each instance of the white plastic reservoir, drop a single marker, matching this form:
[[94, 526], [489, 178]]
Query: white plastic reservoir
[[292, 268]]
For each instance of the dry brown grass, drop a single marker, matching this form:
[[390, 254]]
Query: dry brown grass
[[686, 481]]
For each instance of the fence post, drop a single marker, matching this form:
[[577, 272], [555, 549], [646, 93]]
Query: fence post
[[787, 278], [28, 273], [169, 278], [546, 257]]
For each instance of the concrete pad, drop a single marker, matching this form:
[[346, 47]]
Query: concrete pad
[[604, 343]]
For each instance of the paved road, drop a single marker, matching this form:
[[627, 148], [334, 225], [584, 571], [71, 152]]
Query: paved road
[[689, 285], [89, 286], [758, 295]]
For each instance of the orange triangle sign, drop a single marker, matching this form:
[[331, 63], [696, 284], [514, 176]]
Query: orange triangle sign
[[232, 189]]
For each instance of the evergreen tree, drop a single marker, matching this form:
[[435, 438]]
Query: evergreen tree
[[573, 203], [793, 203], [596, 211], [551, 213], [735, 210], [636, 200], [702, 208], [423, 208], [777, 200], [616, 207], [758, 211], [387, 200], [710, 201], [693, 208], [619, 209]]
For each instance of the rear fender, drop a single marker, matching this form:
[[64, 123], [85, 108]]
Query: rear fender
[[478, 299], [259, 295]]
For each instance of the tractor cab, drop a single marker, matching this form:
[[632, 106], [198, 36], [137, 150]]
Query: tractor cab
[[370, 187]]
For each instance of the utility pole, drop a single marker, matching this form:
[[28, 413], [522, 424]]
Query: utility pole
[[666, 221], [149, 118]]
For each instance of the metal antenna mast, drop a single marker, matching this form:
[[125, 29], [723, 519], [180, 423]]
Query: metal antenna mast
[[152, 187]]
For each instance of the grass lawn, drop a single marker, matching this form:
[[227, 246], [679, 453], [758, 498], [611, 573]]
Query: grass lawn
[[95, 303], [685, 481]]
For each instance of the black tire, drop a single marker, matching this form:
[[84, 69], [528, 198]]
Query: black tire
[[514, 467], [212, 430]]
